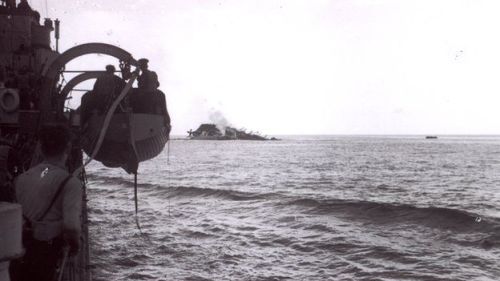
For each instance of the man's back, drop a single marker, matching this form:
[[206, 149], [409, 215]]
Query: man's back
[[105, 85], [36, 188]]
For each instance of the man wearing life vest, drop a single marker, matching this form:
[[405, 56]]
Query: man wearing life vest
[[51, 199]]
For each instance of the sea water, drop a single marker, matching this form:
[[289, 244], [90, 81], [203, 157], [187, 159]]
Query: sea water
[[303, 208]]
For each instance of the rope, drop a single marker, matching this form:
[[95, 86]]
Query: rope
[[108, 103], [136, 203], [134, 148]]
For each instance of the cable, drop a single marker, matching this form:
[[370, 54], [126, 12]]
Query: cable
[[168, 177]]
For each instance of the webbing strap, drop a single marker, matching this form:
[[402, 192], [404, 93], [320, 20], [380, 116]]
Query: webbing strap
[[59, 190]]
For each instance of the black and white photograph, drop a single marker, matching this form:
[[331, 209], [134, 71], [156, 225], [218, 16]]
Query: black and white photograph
[[252, 140]]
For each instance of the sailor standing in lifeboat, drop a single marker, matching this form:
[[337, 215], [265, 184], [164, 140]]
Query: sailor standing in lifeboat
[[106, 88], [109, 84], [148, 80]]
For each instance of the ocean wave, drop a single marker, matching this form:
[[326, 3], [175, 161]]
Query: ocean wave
[[116, 180], [234, 195], [182, 191], [378, 212]]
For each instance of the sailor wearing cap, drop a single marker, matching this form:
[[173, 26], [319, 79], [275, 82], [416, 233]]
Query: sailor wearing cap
[[148, 80]]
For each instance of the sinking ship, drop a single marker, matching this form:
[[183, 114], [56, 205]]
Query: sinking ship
[[218, 132], [127, 127]]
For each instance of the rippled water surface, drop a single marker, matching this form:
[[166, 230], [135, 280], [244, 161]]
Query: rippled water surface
[[304, 208]]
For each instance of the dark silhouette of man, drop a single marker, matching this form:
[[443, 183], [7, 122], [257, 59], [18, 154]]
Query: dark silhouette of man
[[106, 88], [24, 7], [148, 80], [58, 225], [108, 83]]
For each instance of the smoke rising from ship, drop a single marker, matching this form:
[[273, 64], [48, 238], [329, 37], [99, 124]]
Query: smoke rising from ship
[[217, 118]]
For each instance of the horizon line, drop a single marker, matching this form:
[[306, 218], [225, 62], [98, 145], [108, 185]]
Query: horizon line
[[363, 134]]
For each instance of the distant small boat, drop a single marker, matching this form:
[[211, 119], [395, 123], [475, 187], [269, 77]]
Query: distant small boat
[[431, 137]]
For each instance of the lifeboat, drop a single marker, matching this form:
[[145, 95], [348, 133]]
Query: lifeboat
[[138, 130], [118, 128]]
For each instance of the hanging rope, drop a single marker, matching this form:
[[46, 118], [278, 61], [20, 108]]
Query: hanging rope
[[108, 103], [136, 203]]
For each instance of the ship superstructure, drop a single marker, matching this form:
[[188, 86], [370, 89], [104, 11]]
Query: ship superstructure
[[33, 94]]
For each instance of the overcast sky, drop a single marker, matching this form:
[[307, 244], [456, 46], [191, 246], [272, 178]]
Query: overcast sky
[[307, 67]]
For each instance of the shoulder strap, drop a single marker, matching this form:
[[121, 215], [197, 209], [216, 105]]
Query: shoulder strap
[[59, 190]]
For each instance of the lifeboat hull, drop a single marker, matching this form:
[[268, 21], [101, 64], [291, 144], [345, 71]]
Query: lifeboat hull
[[130, 137]]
